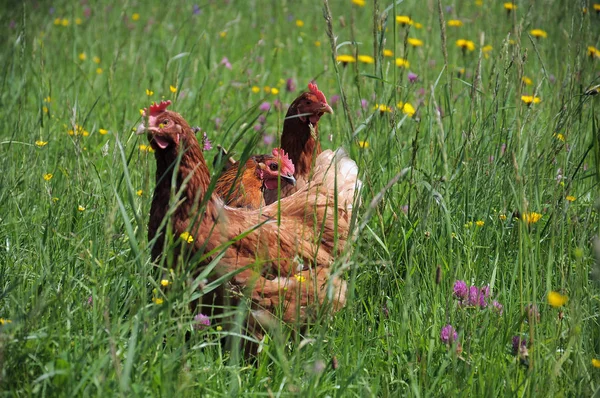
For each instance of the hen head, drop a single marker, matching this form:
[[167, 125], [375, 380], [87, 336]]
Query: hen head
[[311, 105], [272, 166], [165, 128]]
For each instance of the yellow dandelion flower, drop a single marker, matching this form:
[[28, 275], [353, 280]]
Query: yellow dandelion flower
[[487, 49], [418, 25], [64, 22], [56, 21], [255, 89], [157, 300], [55, 199], [274, 91], [363, 144], [299, 23], [80, 208], [223, 34], [135, 16], [173, 89], [560, 137], [406, 108], [267, 89], [465, 44], [382, 108], [388, 53], [139, 192], [187, 237], [479, 3], [99, 71], [366, 59], [103, 131], [480, 223], [527, 81], [502, 217], [538, 33], [593, 52], [455, 23], [82, 56], [596, 363], [571, 198], [345, 58], [300, 278], [402, 63], [414, 42], [360, 3], [78, 21], [510, 6], [96, 60], [404, 20], [556, 299], [48, 176], [45, 109], [597, 7], [149, 92], [4, 321], [41, 143], [165, 282], [532, 217], [530, 99]]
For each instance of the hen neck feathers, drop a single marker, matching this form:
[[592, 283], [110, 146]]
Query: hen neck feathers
[[300, 143]]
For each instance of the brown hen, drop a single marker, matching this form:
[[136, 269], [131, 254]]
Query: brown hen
[[282, 263], [300, 137]]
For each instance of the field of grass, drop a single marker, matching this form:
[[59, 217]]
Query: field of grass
[[468, 182]]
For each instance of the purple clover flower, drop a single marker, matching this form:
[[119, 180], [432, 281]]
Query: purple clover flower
[[499, 308], [225, 62], [364, 103], [290, 85], [518, 343], [268, 139], [333, 101], [206, 144], [412, 77], [264, 107], [460, 290], [196, 9], [201, 321], [448, 335]]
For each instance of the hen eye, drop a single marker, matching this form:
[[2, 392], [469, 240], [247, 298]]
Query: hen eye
[[273, 166], [165, 121]]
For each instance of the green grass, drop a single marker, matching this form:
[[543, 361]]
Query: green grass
[[485, 154]]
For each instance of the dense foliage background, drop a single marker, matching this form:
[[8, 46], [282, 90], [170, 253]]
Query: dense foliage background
[[467, 176]]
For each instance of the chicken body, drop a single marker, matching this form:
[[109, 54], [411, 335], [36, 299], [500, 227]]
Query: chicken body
[[283, 264]]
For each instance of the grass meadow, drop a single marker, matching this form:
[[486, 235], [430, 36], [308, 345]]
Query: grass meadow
[[478, 149]]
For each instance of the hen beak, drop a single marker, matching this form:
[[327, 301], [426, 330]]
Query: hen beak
[[289, 178], [325, 108]]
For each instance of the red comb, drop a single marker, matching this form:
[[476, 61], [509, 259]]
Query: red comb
[[158, 108], [279, 153], [315, 90]]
